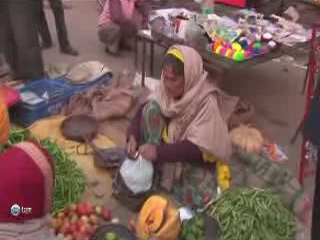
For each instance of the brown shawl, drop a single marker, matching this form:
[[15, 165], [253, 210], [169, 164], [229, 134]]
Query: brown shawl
[[200, 116]]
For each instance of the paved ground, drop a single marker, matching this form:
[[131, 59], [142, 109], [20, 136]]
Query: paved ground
[[274, 87]]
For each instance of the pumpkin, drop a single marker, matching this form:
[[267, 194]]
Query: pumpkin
[[247, 138], [171, 228], [158, 219]]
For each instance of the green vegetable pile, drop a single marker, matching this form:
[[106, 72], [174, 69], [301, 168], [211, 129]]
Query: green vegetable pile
[[194, 229], [70, 181], [252, 214]]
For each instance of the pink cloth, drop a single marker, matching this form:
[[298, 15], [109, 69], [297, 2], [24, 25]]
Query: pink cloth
[[127, 6]]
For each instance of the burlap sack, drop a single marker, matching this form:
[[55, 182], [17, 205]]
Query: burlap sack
[[112, 101], [255, 171]]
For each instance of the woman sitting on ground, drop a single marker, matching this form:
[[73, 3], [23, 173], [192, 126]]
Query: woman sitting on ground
[[183, 127], [117, 27], [26, 180]]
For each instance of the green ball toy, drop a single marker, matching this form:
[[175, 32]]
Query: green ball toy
[[239, 56], [257, 45]]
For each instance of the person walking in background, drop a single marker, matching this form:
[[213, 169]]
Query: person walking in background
[[4, 68], [116, 27], [58, 12], [19, 38]]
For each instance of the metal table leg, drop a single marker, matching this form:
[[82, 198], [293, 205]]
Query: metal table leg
[[136, 52], [151, 58], [143, 74]]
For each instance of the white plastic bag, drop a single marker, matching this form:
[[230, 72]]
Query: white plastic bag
[[137, 174]]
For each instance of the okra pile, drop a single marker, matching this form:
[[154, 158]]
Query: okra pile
[[70, 181], [252, 214]]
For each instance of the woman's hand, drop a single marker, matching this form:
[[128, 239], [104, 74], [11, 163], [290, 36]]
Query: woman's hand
[[132, 146], [149, 152]]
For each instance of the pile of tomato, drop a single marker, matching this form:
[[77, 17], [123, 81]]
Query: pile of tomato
[[79, 222]]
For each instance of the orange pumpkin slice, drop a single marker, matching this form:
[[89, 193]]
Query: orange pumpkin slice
[[152, 214]]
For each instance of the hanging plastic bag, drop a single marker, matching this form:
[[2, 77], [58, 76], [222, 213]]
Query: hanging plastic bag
[[137, 174]]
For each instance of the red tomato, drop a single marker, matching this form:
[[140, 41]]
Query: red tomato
[[93, 219], [81, 209], [88, 208], [106, 214]]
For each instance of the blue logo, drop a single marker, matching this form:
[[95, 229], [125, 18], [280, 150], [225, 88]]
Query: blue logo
[[15, 210]]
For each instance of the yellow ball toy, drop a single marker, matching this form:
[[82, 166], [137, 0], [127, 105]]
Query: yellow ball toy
[[236, 46], [218, 49], [229, 53]]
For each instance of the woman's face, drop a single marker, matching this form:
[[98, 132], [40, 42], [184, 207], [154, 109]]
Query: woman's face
[[173, 84]]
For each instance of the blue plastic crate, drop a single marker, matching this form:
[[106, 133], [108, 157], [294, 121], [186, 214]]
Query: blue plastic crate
[[54, 93], [77, 88], [46, 97]]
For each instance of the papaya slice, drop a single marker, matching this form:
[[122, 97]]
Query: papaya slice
[[152, 214], [171, 229]]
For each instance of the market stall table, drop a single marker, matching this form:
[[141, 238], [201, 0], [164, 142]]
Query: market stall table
[[212, 61], [312, 2]]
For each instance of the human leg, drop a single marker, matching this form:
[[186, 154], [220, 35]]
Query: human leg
[[44, 31], [22, 44], [59, 17], [110, 34], [4, 68], [129, 31]]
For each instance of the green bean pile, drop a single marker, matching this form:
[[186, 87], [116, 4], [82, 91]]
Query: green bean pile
[[70, 181], [252, 214]]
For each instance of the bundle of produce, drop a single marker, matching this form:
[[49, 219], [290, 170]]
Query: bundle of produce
[[252, 214], [247, 138], [79, 222], [70, 181]]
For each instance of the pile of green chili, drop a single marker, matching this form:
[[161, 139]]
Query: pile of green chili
[[70, 181], [252, 214]]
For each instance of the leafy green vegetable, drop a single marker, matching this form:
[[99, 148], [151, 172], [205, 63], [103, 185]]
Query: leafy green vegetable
[[111, 236], [252, 214], [69, 179]]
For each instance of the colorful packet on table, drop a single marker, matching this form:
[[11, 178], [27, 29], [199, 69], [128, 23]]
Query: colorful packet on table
[[273, 152]]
